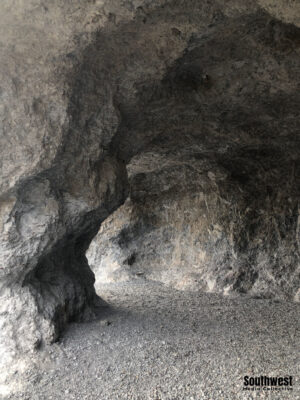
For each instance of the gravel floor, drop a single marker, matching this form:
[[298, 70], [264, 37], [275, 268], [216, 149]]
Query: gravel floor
[[158, 343]]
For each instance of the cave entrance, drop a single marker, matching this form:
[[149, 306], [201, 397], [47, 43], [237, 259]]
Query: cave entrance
[[202, 108], [213, 199]]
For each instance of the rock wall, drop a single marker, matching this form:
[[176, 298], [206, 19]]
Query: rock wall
[[229, 227], [214, 188], [88, 86], [64, 70]]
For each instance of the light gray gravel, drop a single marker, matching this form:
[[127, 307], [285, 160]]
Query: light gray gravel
[[158, 343]]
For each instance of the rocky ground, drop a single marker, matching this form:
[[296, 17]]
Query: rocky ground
[[155, 342]]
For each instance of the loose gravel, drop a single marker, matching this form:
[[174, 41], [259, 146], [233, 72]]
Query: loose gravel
[[154, 342]]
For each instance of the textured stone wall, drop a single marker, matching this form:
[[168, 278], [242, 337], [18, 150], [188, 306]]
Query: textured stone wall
[[214, 196], [229, 227], [86, 86]]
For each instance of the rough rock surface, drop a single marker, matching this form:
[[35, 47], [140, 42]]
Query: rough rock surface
[[214, 197], [190, 223], [88, 85]]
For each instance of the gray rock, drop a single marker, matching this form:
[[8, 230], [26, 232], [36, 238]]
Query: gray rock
[[89, 87]]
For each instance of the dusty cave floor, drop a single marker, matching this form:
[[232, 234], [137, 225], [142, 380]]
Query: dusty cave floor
[[158, 343]]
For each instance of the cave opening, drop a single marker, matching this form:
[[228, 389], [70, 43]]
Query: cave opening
[[153, 147], [213, 198]]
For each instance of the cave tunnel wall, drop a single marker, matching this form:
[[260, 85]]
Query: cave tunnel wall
[[231, 226], [87, 89]]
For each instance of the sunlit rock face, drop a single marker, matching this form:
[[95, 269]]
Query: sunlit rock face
[[199, 99]]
